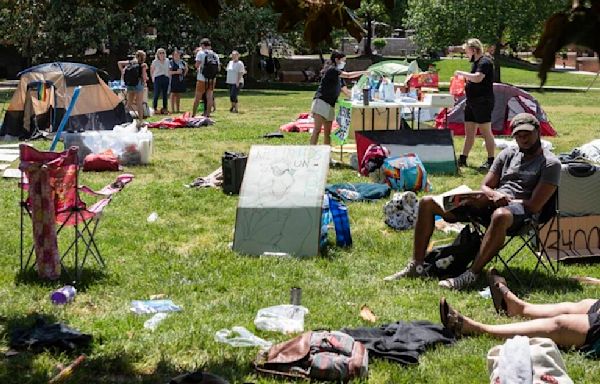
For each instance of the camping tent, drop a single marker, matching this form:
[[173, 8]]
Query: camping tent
[[509, 101], [44, 92], [396, 69]]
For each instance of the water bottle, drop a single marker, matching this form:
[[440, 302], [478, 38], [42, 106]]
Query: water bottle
[[153, 322], [63, 295]]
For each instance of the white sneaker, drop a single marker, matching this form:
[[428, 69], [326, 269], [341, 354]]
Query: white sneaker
[[411, 270], [459, 282]]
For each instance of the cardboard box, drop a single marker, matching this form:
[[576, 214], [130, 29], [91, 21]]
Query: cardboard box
[[375, 119], [579, 238]]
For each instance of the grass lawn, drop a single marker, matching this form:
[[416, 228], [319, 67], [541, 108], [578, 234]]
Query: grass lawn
[[185, 255]]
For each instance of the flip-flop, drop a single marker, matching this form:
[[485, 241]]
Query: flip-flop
[[451, 319], [498, 289]]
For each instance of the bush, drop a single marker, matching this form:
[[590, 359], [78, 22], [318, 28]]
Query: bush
[[379, 43]]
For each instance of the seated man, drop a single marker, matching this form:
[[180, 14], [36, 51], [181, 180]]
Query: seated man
[[567, 324], [519, 183]]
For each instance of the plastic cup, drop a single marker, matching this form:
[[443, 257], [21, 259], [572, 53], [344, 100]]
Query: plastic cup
[[63, 295], [296, 296]]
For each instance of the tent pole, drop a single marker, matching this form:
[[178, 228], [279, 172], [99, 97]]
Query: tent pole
[[65, 118]]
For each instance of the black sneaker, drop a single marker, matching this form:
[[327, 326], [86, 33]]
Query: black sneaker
[[485, 167], [462, 161]]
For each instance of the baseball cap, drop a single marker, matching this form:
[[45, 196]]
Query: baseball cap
[[524, 122]]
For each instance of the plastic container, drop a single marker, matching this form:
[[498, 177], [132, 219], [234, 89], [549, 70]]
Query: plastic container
[[130, 147], [63, 295]]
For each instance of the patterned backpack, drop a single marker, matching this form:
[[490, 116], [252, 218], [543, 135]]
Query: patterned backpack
[[406, 173], [329, 356]]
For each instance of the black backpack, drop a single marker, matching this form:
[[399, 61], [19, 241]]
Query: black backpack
[[210, 68], [452, 260], [132, 74]]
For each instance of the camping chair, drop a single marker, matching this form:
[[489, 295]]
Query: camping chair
[[530, 234], [53, 203]]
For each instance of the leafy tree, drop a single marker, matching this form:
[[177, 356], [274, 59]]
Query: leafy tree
[[496, 23], [371, 10]]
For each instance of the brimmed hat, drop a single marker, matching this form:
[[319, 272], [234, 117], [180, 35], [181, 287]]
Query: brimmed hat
[[524, 122]]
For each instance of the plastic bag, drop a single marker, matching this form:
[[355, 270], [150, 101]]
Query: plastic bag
[[457, 86], [285, 318], [153, 306], [245, 338]]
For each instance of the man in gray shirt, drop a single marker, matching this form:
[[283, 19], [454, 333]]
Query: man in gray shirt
[[520, 182]]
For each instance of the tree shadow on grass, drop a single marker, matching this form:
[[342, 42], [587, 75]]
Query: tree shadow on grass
[[526, 280]]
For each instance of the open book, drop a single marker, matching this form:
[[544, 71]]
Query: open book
[[456, 197]]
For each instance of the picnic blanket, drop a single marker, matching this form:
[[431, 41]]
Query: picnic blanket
[[303, 123], [183, 121]]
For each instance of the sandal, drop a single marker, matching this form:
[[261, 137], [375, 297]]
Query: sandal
[[498, 289], [451, 319]]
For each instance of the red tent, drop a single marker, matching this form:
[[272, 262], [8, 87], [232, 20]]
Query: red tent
[[509, 101]]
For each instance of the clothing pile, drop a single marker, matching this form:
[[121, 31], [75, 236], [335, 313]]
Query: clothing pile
[[401, 212], [587, 152], [303, 123], [183, 121]]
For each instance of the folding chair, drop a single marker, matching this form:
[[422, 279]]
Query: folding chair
[[530, 234], [53, 204]]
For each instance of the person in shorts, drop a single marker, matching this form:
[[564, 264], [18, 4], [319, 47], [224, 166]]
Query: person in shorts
[[204, 87], [479, 103], [323, 105], [568, 324], [135, 94], [519, 183]]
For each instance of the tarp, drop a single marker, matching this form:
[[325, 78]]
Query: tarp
[[396, 69], [508, 101], [45, 91]]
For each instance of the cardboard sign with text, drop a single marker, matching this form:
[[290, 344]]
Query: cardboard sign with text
[[579, 238]]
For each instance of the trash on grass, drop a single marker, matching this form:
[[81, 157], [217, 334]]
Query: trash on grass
[[486, 293], [367, 314], [244, 338], [153, 322], [285, 318], [152, 217], [141, 307]]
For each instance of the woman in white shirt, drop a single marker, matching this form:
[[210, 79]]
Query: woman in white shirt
[[159, 71], [235, 79]]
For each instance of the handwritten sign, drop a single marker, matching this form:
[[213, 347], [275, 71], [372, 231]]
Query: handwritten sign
[[579, 238], [343, 119]]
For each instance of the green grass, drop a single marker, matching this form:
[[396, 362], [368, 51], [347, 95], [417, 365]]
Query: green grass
[[185, 255], [514, 74]]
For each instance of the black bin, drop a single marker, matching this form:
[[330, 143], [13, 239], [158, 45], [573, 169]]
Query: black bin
[[233, 165]]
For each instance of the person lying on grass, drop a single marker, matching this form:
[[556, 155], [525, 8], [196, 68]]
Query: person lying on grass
[[568, 324], [520, 182]]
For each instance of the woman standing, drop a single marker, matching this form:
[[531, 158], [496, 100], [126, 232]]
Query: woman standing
[[323, 105], [178, 71], [235, 79], [480, 102], [135, 94], [159, 71]]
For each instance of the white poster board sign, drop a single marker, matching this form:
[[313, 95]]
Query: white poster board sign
[[279, 210]]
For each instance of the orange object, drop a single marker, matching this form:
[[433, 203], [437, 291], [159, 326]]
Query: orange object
[[457, 86]]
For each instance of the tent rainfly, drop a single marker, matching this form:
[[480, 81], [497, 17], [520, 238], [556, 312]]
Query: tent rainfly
[[45, 91]]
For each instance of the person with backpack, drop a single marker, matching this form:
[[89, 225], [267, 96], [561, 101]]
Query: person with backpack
[[208, 66], [159, 71], [178, 71], [235, 79], [135, 77]]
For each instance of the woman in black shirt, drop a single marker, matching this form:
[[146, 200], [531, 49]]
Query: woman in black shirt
[[323, 106], [480, 102]]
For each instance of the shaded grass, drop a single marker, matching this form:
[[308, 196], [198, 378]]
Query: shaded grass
[[185, 254]]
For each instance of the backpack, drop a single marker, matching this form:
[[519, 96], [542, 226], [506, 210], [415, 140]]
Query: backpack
[[329, 356], [406, 173], [132, 74], [210, 68], [452, 260]]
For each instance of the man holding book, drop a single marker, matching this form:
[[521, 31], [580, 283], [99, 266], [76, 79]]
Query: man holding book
[[519, 183]]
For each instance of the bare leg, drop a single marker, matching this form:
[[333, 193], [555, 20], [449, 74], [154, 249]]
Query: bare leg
[[486, 131], [319, 122], [564, 330], [493, 239], [327, 132], [209, 102], [131, 97], [470, 131], [139, 99], [424, 226], [518, 307], [173, 97]]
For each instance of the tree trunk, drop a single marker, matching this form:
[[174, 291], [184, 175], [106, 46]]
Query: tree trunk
[[367, 48], [497, 78]]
